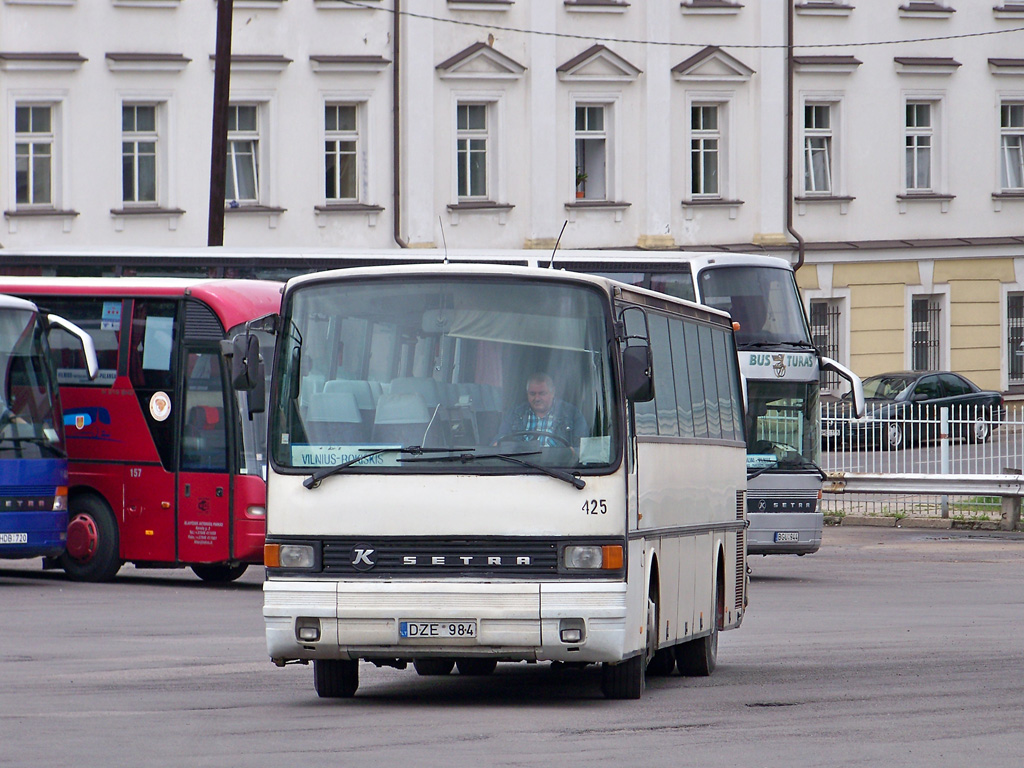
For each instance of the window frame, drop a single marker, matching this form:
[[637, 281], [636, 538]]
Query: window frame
[[155, 137], [726, 151], [1008, 105], [608, 134], [826, 134], [465, 157], [356, 136], [940, 294], [701, 135], [50, 138], [256, 139], [933, 132]]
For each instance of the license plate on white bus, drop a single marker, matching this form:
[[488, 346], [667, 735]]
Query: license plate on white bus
[[784, 536], [13, 538], [443, 630]]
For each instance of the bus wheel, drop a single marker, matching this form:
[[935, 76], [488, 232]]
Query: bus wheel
[[430, 667], [663, 660], [476, 667], [698, 658], [335, 679], [92, 548], [219, 572], [624, 680]]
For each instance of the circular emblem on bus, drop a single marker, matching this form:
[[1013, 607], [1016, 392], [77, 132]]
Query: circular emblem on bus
[[363, 557], [160, 406]]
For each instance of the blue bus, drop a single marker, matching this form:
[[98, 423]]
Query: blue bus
[[33, 454]]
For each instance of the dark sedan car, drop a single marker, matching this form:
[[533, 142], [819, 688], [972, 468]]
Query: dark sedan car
[[906, 407]]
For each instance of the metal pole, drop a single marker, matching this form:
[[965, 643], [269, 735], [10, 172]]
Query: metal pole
[[219, 142], [944, 452]]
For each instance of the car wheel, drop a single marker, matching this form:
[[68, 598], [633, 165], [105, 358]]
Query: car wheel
[[894, 436], [980, 429]]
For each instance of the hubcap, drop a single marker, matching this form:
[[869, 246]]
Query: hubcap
[[83, 538]]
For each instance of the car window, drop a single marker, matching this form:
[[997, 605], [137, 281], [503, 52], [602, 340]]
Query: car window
[[928, 387], [954, 385]]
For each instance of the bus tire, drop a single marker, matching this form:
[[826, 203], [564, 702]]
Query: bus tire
[[698, 658], [335, 679], [624, 680], [433, 667], [219, 573], [475, 667], [661, 662], [93, 542]]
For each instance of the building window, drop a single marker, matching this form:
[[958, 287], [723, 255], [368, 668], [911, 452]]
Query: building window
[[138, 153], [242, 184], [591, 152], [825, 335], [919, 142], [705, 150], [818, 148], [341, 149], [926, 341], [471, 151], [1011, 124], [34, 143], [1015, 337]]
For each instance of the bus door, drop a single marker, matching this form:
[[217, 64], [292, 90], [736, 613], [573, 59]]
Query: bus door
[[147, 527], [204, 490]]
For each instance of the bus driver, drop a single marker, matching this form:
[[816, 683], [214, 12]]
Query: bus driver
[[543, 417]]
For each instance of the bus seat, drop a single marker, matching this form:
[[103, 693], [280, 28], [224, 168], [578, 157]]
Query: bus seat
[[311, 384], [401, 418], [425, 388], [334, 418], [359, 388]]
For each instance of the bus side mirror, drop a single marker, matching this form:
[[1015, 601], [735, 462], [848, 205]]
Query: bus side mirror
[[245, 363], [638, 374], [257, 397]]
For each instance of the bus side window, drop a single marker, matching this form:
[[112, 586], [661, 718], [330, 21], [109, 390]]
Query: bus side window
[[151, 367], [101, 319]]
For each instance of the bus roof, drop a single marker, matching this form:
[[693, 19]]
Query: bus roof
[[500, 270], [233, 301]]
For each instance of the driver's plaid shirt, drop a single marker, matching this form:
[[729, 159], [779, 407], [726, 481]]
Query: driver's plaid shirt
[[537, 424]]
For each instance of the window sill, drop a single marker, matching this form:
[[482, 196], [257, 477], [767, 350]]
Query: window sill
[[926, 10], [998, 198], [13, 217], [711, 7], [615, 206], [1009, 11], [325, 212], [480, 5], [272, 212], [479, 206], [924, 197], [171, 214], [842, 200], [823, 9], [596, 6], [690, 205]]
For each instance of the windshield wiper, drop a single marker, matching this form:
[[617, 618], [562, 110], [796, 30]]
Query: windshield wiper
[[515, 458], [764, 344], [314, 480]]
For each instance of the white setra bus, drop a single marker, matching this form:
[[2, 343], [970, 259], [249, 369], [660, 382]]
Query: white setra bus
[[472, 464]]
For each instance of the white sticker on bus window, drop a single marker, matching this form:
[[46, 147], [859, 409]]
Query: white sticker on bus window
[[111, 319], [160, 406], [333, 455], [595, 450], [156, 353]]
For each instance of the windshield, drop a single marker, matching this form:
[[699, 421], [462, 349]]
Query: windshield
[[465, 368], [29, 423], [763, 300], [782, 424], [885, 387]]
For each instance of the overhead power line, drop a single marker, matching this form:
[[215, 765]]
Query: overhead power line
[[634, 41]]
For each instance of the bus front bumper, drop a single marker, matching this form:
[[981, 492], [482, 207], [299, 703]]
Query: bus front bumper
[[558, 621]]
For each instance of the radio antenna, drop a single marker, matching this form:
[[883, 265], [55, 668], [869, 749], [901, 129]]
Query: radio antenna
[[443, 239], [551, 264]]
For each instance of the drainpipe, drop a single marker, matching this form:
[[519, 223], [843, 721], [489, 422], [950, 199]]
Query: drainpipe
[[396, 122], [789, 138]]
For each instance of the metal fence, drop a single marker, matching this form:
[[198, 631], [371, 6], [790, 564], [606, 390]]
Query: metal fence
[[931, 441]]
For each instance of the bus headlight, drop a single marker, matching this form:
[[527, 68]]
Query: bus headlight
[[60, 499], [593, 557], [288, 556]]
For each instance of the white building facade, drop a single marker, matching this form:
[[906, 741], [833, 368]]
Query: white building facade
[[657, 124]]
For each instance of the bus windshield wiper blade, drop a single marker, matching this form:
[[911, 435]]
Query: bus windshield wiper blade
[[314, 480], [515, 458], [802, 463]]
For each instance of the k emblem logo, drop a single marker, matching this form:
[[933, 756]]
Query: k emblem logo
[[363, 558]]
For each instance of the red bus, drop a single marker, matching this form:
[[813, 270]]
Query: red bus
[[166, 467]]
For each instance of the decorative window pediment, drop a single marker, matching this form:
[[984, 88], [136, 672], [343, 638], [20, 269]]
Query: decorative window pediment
[[480, 62], [926, 65], [826, 65], [1006, 66], [334, 63], [712, 64], [41, 62], [598, 64], [147, 62]]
